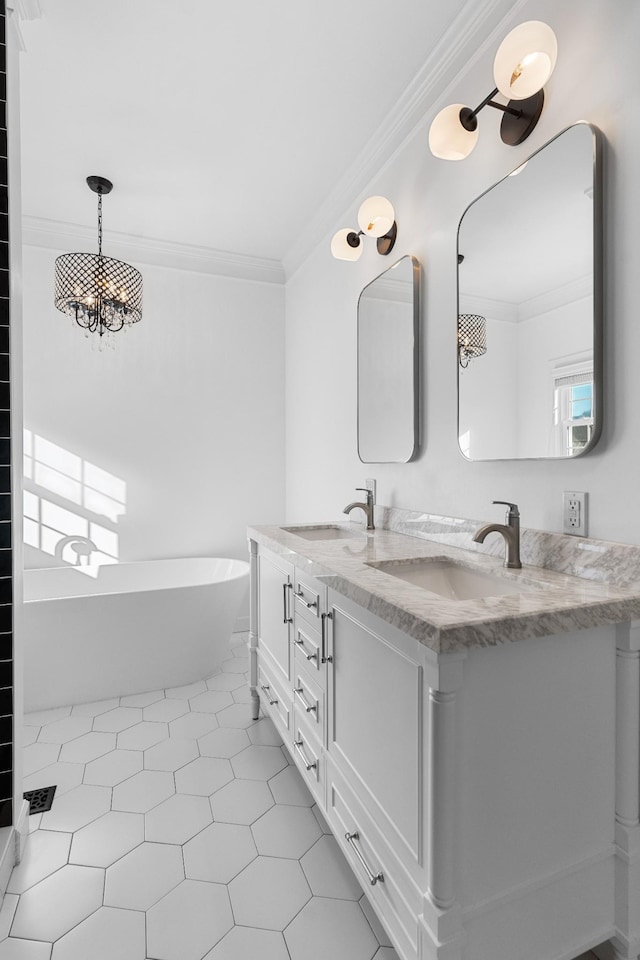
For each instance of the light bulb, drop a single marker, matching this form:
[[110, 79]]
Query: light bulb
[[376, 216], [341, 249], [525, 60], [448, 139]]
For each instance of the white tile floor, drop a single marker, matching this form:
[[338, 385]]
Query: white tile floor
[[179, 831]]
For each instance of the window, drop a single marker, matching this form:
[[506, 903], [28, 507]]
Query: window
[[573, 411]]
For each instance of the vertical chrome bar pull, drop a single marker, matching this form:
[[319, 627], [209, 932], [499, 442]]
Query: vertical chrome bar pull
[[323, 621], [373, 877], [287, 618]]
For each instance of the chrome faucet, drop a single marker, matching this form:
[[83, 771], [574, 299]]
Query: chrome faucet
[[510, 530], [367, 507]]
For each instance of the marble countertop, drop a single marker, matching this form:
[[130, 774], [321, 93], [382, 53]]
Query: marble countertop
[[550, 602]]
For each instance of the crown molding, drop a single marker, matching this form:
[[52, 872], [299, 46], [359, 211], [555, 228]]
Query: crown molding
[[567, 293], [60, 236], [501, 310], [464, 42]]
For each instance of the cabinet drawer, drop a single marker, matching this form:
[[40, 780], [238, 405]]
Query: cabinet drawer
[[307, 642], [310, 597], [308, 755], [390, 889], [276, 701], [308, 697]]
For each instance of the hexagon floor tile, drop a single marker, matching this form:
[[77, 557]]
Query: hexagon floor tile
[[269, 893], [143, 791], [107, 934], [203, 776], [177, 819], [114, 767], [286, 832], [45, 852], [258, 763], [108, 838], [244, 942], [55, 905], [178, 833], [330, 928], [219, 853], [170, 754], [241, 801], [189, 921], [142, 877]]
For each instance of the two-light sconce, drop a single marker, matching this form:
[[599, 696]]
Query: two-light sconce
[[376, 218], [524, 62]]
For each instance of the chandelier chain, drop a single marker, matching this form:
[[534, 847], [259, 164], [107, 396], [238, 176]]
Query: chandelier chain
[[100, 223]]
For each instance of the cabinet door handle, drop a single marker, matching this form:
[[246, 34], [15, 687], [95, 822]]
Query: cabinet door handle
[[298, 744], [266, 688], [373, 877], [308, 706], [287, 618], [323, 620], [308, 656], [309, 606]]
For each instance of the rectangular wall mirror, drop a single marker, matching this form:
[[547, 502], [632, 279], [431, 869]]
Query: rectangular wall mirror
[[530, 307], [388, 323]]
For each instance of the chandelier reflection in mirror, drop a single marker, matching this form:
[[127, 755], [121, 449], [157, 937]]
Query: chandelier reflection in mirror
[[100, 293]]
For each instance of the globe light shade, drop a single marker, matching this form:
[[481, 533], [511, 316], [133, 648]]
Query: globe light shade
[[448, 139], [376, 216], [341, 249], [525, 60]]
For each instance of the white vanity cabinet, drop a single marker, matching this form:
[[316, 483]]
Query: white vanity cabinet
[[488, 798], [273, 579]]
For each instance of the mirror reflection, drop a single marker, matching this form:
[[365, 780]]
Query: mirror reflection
[[529, 323], [387, 365]]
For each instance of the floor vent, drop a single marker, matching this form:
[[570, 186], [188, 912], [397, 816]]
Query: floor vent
[[40, 800]]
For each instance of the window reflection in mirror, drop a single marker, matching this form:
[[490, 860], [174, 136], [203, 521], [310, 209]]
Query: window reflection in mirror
[[388, 313], [529, 252]]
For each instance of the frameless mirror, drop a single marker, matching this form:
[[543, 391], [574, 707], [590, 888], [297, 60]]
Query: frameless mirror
[[388, 317], [530, 307]]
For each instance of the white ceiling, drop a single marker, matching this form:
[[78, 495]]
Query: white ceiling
[[223, 125]]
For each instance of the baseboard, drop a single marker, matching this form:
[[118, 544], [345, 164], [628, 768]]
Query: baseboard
[[7, 857], [22, 830]]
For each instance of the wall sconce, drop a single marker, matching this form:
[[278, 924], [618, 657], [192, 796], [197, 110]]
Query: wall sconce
[[376, 218], [472, 337], [524, 62]]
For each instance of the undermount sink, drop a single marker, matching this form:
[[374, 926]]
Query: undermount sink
[[325, 531], [449, 579]]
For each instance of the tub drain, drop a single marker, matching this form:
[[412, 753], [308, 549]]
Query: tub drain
[[40, 800]]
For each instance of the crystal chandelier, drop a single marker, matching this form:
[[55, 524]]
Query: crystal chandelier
[[100, 293]]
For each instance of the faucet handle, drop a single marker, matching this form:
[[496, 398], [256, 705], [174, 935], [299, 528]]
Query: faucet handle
[[513, 507], [368, 492]]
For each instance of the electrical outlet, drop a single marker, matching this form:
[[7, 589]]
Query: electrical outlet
[[371, 485], [574, 513]]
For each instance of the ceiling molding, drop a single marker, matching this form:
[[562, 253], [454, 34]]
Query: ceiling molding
[[561, 296], [60, 236], [489, 307], [462, 44]]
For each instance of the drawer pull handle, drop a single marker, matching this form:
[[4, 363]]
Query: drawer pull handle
[[323, 619], [308, 656], [308, 706], [265, 687], [298, 744], [373, 877], [286, 617], [309, 606]]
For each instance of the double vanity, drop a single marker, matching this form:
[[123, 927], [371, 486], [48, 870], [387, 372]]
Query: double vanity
[[470, 732]]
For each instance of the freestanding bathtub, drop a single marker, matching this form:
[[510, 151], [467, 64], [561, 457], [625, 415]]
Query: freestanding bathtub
[[133, 628]]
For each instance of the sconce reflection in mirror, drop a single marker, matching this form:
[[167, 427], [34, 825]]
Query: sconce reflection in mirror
[[472, 334], [524, 62], [376, 218]]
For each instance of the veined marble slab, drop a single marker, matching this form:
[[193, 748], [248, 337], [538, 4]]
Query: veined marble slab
[[552, 602]]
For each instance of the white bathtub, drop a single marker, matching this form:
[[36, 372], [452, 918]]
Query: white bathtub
[[135, 627]]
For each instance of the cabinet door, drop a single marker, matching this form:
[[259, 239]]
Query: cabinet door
[[376, 722], [275, 614]]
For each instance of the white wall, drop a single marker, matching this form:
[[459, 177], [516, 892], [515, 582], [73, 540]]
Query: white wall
[[187, 410], [596, 39]]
